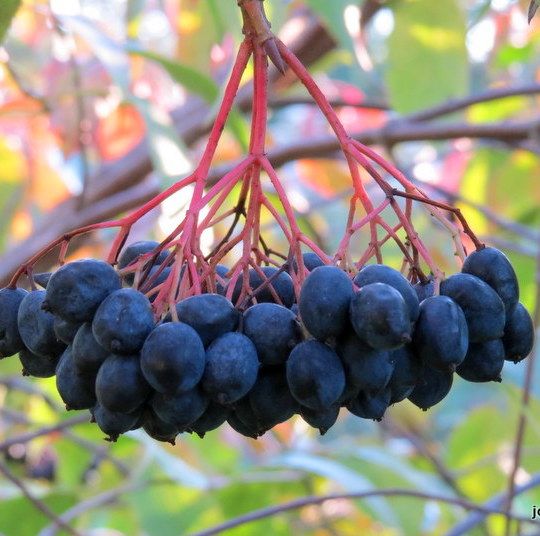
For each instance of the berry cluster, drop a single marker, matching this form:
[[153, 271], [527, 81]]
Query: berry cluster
[[362, 342]]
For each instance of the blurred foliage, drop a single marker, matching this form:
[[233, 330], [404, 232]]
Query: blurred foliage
[[83, 82]]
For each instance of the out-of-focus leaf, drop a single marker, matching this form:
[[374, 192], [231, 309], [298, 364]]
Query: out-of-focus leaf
[[428, 60], [341, 474], [509, 54], [190, 78], [175, 468], [8, 8], [489, 112]]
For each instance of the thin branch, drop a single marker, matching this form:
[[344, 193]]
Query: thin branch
[[38, 504], [271, 511], [43, 431]]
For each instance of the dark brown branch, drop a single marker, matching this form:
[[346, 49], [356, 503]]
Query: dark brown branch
[[271, 511], [38, 504]]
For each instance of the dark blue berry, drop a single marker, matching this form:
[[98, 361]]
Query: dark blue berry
[[173, 358], [10, 338], [37, 366], [181, 409], [324, 302], [113, 423], [76, 390], [323, 420], [213, 417], [371, 405], [131, 253], [123, 321], [315, 375], [88, 354], [231, 368], [65, 331], [76, 289], [407, 371], [518, 336], [274, 331], [484, 362], [433, 385]]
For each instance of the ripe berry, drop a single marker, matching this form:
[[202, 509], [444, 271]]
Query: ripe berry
[[483, 309], [371, 405], [366, 369], [120, 384], [324, 302], [159, 429], [88, 354], [380, 317], [380, 273], [210, 315], [131, 253], [76, 289], [239, 426], [407, 370], [274, 331], [433, 385], [441, 335], [180, 409], [484, 362], [10, 338], [281, 283], [271, 399], [231, 368], [173, 358], [36, 326], [425, 290], [37, 366], [518, 336], [65, 331], [213, 417], [493, 267], [76, 390], [322, 420], [315, 375], [123, 321], [113, 423], [311, 261]]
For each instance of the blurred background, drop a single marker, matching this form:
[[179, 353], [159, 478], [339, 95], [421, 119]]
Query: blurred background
[[103, 103]]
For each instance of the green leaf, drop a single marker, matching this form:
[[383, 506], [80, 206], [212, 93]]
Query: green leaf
[[427, 60], [190, 78], [8, 8]]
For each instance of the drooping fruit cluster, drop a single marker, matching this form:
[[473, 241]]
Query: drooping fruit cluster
[[362, 341]]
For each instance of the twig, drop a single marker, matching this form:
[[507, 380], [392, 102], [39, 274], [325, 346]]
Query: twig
[[43, 431], [264, 513], [39, 505]]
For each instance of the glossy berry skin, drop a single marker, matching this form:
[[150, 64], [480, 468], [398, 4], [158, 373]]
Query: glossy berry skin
[[484, 362], [132, 252], [407, 370], [371, 405], [88, 354], [274, 331], [483, 309], [76, 390], [271, 399], [493, 267], [159, 429], [315, 375], [380, 273], [42, 279], [65, 331], [380, 317], [75, 290], [120, 384], [518, 336], [243, 410], [324, 302], [311, 261], [441, 335], [366, 369], [181, 409], [322, 420], [123, 321], [425, 290], [213, 417], [210, 315], [231, 368], [36, 326], [433, 385], [281, 283], [37, 366], [173, 358], [10, 338], [112, 423]]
